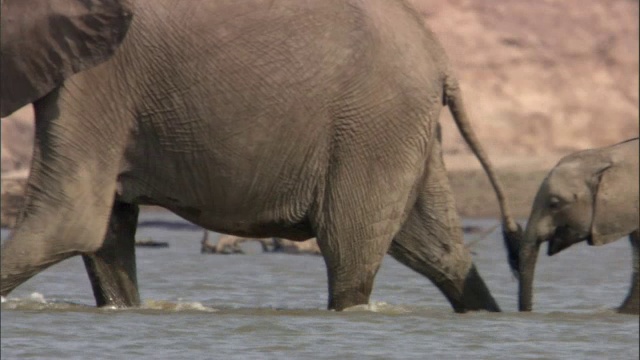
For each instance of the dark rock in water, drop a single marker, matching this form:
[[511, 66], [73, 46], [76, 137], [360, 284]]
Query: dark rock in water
[[152, 243]]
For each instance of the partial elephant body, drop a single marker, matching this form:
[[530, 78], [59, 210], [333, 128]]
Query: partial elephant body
[[589, 196], [245, 112], [259, 119]]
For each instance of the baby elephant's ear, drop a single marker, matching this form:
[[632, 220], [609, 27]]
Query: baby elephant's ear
[[44, 42], [615, 212]]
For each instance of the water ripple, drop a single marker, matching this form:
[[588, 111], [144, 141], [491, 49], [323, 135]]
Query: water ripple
[[274, 307]]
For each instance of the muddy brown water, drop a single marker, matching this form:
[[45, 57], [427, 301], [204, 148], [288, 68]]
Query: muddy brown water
[[272, 306]]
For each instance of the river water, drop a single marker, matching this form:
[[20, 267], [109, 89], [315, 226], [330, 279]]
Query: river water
[[272, 306]]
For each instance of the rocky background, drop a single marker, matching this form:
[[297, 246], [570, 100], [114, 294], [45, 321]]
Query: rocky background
[[541, 79]]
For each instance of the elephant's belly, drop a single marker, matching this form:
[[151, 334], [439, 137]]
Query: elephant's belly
[[256, 220], [233, 198], [245, 227]]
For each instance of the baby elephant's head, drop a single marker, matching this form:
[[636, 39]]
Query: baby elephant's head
[[590, 195]]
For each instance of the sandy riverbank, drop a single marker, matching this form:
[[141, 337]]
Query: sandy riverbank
[[520, 176]]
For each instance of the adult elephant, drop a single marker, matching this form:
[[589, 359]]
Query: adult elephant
[[288, 119], [591, 196]]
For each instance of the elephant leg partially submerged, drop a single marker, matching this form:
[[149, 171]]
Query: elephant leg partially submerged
[[69, 195], [631, 304], [431, 243], [112, 269]]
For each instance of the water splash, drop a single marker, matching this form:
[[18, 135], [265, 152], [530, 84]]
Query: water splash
[[176, 306], [378, 307], [36, 301], [37, 297]]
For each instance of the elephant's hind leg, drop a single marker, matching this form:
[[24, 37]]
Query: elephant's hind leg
[[353, 248], [112, 269], [431, 243], [351, 266], [631, 304], [359, 217]]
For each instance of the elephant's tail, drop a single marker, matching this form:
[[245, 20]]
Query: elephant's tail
[[512, 231]]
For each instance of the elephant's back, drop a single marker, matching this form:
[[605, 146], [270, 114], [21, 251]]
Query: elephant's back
[[273, 46], [277, 65]]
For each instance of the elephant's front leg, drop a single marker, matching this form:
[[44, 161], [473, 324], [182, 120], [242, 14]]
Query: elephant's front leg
[[70, 188], [631, 304], [112, 269], [431, 243]]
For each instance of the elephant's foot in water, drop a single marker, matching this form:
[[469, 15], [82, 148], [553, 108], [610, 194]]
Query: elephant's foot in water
[[357, 292], [474, 296], [351, 267], [112, 269], [465, 291], [631, 304], [349, 290], [348, 299]]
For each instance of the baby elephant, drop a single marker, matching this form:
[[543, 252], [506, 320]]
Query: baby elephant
[[590, 195]]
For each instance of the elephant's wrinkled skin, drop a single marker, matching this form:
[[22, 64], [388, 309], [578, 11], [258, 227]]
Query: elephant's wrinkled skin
[[591, 196], [284, 118]]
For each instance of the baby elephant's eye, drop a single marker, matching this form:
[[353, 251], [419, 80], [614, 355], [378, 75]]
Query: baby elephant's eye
[[554, 203]]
